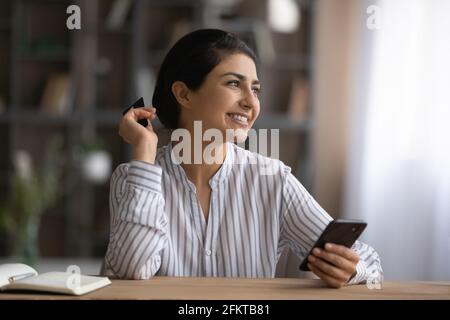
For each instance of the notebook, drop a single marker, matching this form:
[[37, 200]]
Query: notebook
[[18, 276]]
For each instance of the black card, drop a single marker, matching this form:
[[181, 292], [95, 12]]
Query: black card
[[138, 104]]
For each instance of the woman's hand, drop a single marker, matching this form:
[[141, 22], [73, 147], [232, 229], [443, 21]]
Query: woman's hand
[[335, 265], [143, 139]]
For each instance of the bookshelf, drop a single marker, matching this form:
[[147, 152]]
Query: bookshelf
[[110, 62]]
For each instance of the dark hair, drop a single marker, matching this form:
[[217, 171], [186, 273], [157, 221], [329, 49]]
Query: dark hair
[[190, 60]]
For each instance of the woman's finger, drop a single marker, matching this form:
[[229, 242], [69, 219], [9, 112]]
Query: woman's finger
[[343, 251], [150, 108], [139, 113], [335, 259], [329, 269], [325, 278]]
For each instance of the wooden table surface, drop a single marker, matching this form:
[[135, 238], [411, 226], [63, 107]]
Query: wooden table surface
[[244, 288]]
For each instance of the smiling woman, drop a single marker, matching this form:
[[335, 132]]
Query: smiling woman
[[230, 218], [232, 96], [190, 62]]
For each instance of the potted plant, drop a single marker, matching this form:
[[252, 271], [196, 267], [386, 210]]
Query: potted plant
[[32, 192]]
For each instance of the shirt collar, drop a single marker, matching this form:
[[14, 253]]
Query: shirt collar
[[219, 177]]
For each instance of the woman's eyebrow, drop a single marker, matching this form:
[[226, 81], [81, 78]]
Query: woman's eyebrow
[[239, 76]]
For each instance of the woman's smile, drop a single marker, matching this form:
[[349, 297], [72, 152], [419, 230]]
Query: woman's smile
[[238, 119]]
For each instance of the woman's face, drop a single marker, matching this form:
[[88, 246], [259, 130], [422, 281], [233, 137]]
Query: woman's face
[[228, 98]]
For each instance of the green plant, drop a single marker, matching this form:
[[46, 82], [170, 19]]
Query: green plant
[[92, 145], [32, 192]]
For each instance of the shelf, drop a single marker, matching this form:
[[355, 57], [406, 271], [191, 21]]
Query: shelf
[[283, 62], [105, 117], [44, 59], [28, 116], [41, 118], [32, 117], [35, 49], [112, 118]]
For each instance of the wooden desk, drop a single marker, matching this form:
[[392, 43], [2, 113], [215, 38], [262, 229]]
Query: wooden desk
[[251, 289]]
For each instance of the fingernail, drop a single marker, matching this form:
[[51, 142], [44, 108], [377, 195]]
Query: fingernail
[[311, 258], [328, 246], [316, 251]]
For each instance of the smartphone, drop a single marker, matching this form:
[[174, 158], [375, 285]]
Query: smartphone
[[138, 104], [340, 231]]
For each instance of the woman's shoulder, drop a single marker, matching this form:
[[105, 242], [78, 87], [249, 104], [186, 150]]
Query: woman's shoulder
[[161, 152]]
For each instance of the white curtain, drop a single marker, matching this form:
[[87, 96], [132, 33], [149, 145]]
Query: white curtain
[[398, 176]]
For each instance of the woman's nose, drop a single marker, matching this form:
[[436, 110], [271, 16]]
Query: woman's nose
[[249, 100]]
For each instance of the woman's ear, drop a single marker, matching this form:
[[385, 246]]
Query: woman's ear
[[181, 93]]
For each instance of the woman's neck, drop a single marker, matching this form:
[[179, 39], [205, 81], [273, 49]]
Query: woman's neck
[[201, 173]]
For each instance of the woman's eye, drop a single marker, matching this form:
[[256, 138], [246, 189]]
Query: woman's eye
[[256, 90], [234, 83]]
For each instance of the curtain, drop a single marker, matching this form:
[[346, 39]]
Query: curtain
[[398, 174]]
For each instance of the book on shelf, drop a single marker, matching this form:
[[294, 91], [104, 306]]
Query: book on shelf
[[56, 99], [298, 101], [18, 276]]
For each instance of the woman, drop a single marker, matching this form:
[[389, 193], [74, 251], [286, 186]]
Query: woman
[[225, 219]]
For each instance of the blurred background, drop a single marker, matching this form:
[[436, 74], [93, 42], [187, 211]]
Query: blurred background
[[359, 91]]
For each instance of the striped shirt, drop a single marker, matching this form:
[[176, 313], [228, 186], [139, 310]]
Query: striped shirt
[[158, 227]]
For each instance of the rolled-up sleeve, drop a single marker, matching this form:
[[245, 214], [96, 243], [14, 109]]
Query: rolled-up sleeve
[[368, 268], [305, 220], [138, 222]]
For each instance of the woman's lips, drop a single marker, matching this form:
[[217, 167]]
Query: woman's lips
[[238, 119]]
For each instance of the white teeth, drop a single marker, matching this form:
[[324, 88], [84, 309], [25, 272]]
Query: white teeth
[[239, 118]]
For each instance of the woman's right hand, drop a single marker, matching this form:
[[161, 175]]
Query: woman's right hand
[[143, 139]]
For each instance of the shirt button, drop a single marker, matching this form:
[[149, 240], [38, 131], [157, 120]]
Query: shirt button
[[208, 252]]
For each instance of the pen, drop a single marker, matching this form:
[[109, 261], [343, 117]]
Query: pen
[[20, 277]]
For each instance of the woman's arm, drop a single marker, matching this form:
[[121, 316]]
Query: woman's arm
[[304, 221], [138, 222], [138, 226]]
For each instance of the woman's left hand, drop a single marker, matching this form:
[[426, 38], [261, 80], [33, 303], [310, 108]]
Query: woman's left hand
[[335, 265]]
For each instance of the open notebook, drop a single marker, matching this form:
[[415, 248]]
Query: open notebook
[[18, 276]]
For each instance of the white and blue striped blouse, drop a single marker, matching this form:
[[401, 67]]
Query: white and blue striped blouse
[[158, 228]]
